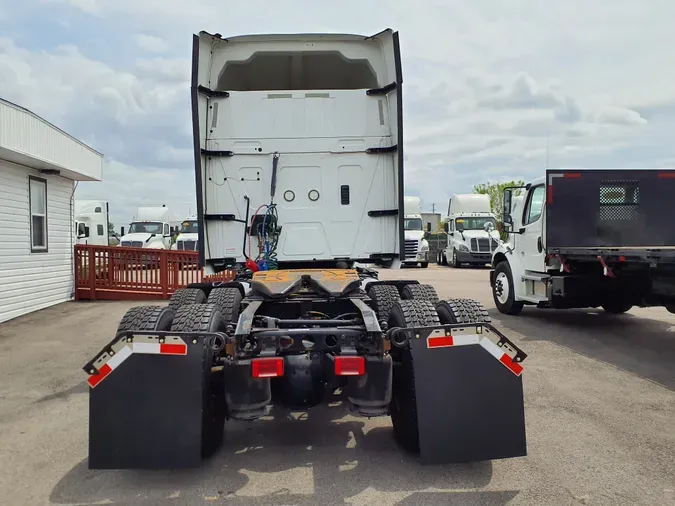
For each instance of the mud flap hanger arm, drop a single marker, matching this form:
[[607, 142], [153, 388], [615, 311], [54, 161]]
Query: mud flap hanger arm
[[399, 337]]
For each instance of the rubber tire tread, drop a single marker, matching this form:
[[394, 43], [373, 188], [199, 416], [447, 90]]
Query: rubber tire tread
[[617, 308], [228, 301], [185, 296], [384, 297], [198, 318], [462, 311], [403, 406], [146, 318], [419, 292], [207, 318]]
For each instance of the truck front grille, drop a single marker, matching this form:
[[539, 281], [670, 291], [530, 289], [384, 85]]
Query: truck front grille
[[482, 245], [132, 244], [186, 245], [411, 248]]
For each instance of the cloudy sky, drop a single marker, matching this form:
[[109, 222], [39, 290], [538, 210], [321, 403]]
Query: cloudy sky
[[486, 82]]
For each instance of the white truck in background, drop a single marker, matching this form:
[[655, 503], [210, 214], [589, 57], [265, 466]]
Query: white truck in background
[[188, 235], [471, 228], [91, 222], [150, 229], [588, 238], [416, 244]]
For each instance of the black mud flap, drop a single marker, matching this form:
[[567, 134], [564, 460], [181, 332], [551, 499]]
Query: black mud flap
[[469, 394], [151, 402]]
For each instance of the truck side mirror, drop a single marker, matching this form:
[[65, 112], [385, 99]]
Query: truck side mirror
[[121, 231], [446, 227], [506, 211]]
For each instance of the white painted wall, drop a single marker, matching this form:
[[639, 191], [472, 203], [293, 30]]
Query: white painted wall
[[32, 281]]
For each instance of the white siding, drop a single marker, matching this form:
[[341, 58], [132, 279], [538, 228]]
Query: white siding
[[26, 134], [32, 281]]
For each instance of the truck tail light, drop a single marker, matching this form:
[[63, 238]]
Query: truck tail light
[[350, 366], [267, 367]]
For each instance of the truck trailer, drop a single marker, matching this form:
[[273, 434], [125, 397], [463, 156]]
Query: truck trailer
[[296, 204], [588, 238]]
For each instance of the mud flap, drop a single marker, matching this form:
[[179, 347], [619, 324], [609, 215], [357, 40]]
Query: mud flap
[[150, 404], [469, 397]]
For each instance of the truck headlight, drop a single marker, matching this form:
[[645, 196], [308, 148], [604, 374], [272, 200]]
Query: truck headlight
[[424, 246], [463, 247]]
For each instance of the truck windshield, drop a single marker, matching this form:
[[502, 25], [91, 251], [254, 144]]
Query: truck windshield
[[146, 227], [413, 224], [188, 227], [474, 223]]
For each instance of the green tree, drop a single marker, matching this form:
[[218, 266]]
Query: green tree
[[111, 228], [496, 193]]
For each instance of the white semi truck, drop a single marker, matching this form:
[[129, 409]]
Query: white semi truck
[[150, 229], [299, 167], [416, 244], [188, 235], [586, 238], [91, 222], [471, 230]]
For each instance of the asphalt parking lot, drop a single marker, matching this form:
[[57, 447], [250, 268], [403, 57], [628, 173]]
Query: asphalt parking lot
[[600, 410]]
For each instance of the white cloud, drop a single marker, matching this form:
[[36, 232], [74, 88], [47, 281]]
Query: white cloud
[[492, 89], [151, 43]]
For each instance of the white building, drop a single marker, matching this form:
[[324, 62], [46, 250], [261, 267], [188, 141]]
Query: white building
[[39, 167]]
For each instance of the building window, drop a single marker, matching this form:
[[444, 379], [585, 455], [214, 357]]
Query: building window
[[37, 197]]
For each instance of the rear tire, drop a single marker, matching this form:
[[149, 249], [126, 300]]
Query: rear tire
[[226, 300], [185, 296], [461, 311], [503, 291], [146, 318], [207, 318], [419, 292], [384, 297], [403, 406]]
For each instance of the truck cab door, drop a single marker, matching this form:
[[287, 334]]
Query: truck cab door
[[531, 250]]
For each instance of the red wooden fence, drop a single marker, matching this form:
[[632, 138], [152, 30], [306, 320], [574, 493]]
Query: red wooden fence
[[117, 273]]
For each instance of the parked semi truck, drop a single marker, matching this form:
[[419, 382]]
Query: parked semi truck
[[150, 229], [188, 235], [416, 244], [471, 230], [292, 207], [91, 222], [586, 238]]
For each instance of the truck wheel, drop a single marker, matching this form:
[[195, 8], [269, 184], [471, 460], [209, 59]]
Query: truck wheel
[[384, 297], [403, 406], [419, 292], [444, 259], [185, 296], [148, 318], [439, 258], [503, 291], [207, 318], [454, 262], [226, 300], [617, 307], [461, 311], [424, 265]]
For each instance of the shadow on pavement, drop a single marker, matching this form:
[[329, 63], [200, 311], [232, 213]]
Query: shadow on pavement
[[321, 459], [642, 346]]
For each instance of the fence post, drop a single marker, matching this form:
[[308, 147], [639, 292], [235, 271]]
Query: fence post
[[91, 260], [164, 272]]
